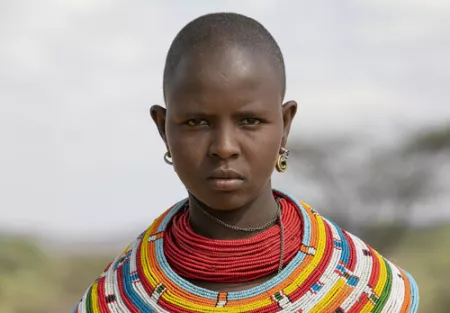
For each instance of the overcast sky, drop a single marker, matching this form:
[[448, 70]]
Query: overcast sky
[[79, 153]]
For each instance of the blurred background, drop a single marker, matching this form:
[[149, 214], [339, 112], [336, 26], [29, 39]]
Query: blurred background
[[81, 163]]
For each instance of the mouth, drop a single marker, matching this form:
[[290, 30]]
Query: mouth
[[225, 180], [223, 173]]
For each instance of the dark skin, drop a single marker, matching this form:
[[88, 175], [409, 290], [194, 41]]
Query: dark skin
[[225, 114]]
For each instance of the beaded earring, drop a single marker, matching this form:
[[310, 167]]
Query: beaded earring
[[281, 164]]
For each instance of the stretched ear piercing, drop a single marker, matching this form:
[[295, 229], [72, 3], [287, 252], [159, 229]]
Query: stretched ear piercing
[[281, 164], [167, 158]]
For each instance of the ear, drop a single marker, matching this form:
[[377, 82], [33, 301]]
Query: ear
[[289, 109], [158, 114]]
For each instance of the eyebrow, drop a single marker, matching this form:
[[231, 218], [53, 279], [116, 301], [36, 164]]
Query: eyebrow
[[185, 114], [192, 114], [253, 109], [251, 112]]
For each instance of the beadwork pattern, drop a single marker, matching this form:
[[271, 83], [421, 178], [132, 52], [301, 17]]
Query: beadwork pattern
[[333, 272]]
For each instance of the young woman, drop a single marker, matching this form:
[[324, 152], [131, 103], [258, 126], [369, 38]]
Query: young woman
[[235, 244]]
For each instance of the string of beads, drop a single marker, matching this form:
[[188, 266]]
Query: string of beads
[[196, 257]]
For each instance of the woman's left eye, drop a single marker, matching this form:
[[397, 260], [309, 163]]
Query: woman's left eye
[[250, 121]]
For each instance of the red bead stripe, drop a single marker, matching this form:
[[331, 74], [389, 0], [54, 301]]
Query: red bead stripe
[[196, 257]]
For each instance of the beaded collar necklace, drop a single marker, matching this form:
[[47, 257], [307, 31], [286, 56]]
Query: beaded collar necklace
[[277, 217]]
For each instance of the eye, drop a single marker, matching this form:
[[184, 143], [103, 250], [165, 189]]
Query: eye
[[196, 122], [250, 121]]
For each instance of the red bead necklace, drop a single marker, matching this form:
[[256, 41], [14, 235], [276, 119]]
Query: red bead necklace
[[231, 261]]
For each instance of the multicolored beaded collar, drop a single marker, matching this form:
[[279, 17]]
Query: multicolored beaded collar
[[333, 271]]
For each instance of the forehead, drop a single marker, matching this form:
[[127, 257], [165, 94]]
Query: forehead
[[227, 77]]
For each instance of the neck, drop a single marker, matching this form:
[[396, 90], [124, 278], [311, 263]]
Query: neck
[[257, 212]]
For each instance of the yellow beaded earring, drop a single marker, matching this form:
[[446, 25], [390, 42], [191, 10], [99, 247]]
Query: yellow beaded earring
[[281, 164]]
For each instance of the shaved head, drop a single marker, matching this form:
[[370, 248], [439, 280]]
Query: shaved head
[[224, 31]]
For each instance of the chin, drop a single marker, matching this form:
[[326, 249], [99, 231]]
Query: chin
[[224, 201]]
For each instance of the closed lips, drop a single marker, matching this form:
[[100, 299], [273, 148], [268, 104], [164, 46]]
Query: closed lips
[[226, 174]]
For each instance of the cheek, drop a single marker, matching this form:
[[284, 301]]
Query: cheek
[[262, 154], [187, 151]]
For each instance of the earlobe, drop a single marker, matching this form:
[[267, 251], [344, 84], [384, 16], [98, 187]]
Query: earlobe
[[158, 114]]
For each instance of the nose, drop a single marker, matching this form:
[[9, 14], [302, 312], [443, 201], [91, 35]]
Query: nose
[[224, 144]]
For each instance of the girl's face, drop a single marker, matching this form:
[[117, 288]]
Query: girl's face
[[225, 125]]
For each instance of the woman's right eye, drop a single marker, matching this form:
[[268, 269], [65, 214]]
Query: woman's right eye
[[196, 122]]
